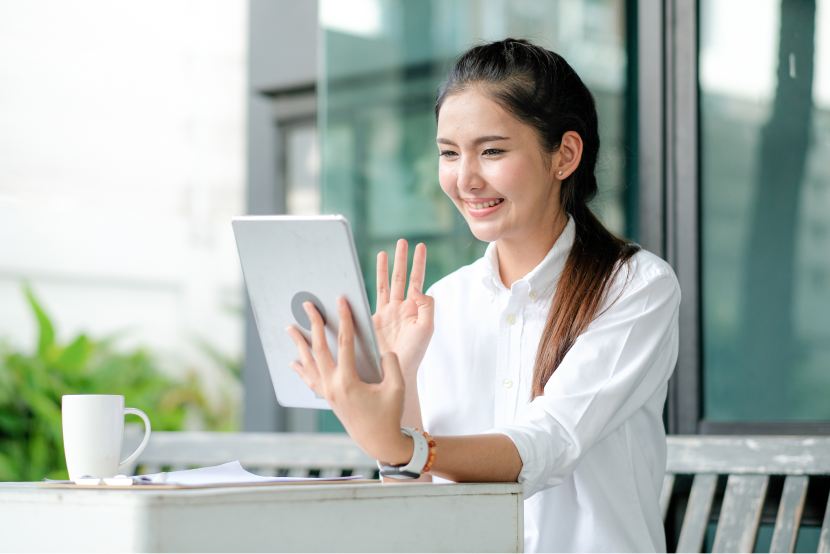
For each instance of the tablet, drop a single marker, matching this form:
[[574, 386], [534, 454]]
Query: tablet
[[288, 260]]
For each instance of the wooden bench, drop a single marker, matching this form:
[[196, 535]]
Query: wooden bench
[[284, 454], [736, 481]]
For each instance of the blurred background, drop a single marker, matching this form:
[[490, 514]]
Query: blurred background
[[131, 132]]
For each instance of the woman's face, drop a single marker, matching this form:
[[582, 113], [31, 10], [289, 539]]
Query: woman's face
[[492, 167]]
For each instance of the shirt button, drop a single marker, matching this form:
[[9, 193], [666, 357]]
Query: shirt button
[[533, 295], [511, 319], [507, 383]]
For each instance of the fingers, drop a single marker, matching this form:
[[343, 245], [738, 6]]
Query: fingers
[[383, 281], [316, 370], [306, 367], [302, 346], [345, 339], [419, 267], [307, 379], [322, 354], [399, 273]]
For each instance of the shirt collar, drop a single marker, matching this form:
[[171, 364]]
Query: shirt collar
[[543, 274]]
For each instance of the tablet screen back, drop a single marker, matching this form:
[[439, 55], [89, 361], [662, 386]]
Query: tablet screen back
[[287, 260]]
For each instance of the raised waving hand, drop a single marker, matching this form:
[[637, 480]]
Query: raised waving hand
[[404, 318]]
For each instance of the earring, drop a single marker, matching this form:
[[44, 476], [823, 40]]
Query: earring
[[560, 173]]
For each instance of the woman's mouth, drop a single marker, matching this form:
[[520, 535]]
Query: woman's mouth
[[481, 207]]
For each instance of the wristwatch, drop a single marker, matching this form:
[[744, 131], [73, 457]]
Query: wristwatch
[[415, 467]]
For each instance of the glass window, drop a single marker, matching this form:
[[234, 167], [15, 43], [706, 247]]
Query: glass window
[[302, 169], [765, 147], [383, 61]]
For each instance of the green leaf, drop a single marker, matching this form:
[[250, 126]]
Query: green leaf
[[38, 463], [46, 409], [47, 332], [58, 474], [8, 469], [11, 423], [73, 356]]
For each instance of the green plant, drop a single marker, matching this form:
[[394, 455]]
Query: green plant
[[32, 384]]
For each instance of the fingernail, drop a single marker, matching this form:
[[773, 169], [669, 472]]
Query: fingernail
[[341, 302]]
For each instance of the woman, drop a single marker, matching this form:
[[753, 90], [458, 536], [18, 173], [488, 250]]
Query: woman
[[550, 356]]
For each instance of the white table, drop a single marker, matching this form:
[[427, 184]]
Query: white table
[[365, 517]]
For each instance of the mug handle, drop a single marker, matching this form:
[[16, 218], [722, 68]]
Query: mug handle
[[134, 455]]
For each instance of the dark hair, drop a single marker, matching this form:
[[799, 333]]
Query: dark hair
[[540, 89]]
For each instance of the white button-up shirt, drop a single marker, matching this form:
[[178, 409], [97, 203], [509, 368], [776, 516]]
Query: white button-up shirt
[[593, 446]]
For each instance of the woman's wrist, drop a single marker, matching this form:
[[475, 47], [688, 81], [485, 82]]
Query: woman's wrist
[[401, 451]]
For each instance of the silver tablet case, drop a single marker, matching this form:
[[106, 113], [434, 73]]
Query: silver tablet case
[[282, 256]]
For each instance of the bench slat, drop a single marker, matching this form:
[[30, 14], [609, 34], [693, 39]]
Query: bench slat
[[734, 455], [697, 513], [740, 513], [824, 538], [665, 493], [789, 513]]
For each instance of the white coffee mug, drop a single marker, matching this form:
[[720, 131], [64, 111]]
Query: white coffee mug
[[93, 431]]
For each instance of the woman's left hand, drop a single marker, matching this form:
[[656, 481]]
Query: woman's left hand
[[404, 325], [371, 413]]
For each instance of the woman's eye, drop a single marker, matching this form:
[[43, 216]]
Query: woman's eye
[[447, 154], [492, 152]]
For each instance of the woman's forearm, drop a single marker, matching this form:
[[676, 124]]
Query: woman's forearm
[[471, 458], [477, 458]]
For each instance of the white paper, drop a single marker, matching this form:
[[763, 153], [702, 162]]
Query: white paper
[[226, 474]]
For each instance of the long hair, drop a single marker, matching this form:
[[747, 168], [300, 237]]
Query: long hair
[[540, 89]]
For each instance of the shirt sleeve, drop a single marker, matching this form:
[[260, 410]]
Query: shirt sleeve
[[624, 357]]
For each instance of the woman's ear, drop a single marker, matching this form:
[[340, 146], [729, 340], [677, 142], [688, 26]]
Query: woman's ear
[[567, 158]]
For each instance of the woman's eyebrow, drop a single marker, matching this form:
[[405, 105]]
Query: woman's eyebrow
[[479, 140]]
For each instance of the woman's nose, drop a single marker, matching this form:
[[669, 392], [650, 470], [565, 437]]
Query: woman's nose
[[468, 175]]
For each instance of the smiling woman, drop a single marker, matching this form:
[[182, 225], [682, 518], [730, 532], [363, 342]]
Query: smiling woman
[[544, 362]]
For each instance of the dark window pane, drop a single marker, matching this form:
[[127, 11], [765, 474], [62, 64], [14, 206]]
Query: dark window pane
[[765, 117]]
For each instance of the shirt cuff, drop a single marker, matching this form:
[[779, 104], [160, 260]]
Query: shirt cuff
[[538, 452]]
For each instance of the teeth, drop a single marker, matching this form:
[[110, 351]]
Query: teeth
[[488, 204]]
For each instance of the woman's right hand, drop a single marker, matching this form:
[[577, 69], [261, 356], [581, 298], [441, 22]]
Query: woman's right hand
[[404, 325]]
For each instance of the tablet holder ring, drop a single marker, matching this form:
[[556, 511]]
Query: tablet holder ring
[[299, 312]]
